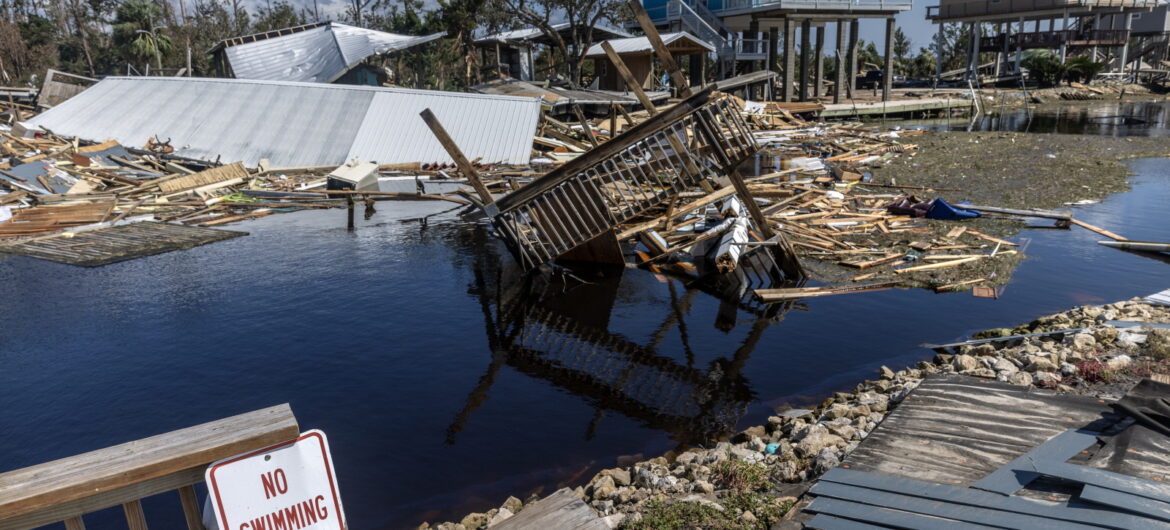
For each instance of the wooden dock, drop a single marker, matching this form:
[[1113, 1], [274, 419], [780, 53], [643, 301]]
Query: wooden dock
[[906, 106], [92, 248]]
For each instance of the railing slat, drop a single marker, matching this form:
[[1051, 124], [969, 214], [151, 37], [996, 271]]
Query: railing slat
[[191, 508], [135, 518], [74, 523]]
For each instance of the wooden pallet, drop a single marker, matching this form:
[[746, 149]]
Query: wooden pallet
[[103, 246]]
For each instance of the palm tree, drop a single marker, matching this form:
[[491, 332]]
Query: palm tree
[[136, 33]]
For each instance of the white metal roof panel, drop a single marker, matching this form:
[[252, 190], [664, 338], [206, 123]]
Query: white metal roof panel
[[358, 43], [310, 55], [642, 44], [294, 124], [481, 126], [319, 55]]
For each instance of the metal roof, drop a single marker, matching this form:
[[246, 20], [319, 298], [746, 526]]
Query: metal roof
[[642, 44], [295, 124], [321, 54], [535, 34]]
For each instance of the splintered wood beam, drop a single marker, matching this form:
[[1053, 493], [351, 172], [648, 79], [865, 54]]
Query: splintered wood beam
[[585, 125], [460, 160], [628, 77], [660, 49]]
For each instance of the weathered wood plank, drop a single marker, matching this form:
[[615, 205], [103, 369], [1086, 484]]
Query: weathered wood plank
[[203, 178], [91, 248], [562, 510], [44, 485], [829, 522], [958, 429]]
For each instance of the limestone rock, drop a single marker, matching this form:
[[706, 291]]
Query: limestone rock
[[817, 438], [1021, 379], [1119, 362], [1041, 364], [1046, 378], [513, 505], [826, 459], [964, 362], [1005, 366], [1083, 341], [474, 520], [503, 515]]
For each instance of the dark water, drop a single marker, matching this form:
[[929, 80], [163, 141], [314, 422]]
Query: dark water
[[1102, 118], [444, 384]]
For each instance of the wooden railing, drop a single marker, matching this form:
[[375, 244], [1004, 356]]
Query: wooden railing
[[64, 490]]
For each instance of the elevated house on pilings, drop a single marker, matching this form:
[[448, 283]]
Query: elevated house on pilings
[[751, 35], [511, 53], [1101, 29]]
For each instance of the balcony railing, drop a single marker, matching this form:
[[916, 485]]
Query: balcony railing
[[1012, 7], [834, 5], [1054, 39]]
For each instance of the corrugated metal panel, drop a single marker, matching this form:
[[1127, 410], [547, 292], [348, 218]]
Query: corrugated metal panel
[[642, 44], [318, 55], [294, 124], [358, 43], [311, 55], [484, 127]]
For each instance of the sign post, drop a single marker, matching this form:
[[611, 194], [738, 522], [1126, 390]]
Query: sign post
[[288, 486]]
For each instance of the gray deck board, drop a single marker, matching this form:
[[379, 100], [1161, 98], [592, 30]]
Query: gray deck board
[[1125, 501], [1077, 512], [1013, 477], [886, 516], [937, 508]]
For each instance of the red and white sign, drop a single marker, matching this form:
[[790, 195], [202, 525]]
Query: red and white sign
[[288, 486]]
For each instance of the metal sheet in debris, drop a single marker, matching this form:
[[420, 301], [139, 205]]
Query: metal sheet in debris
[[311, 55], [294, 124], [484, 127]]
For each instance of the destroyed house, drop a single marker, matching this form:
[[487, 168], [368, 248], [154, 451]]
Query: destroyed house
[[636, 53], [513, 50], [323, 52], [294, 124]]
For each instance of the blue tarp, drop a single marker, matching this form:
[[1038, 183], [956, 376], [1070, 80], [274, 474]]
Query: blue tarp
[[946, 212]]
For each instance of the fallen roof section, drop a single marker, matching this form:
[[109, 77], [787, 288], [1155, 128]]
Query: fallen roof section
[[295, 124], [319, 54]]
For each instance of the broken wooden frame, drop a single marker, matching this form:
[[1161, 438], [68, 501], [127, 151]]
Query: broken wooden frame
[[701, 137]]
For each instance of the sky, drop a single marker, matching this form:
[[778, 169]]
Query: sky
[[913, 22]]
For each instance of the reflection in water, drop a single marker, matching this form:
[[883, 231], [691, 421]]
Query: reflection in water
[[556, 330], [1099, 118]]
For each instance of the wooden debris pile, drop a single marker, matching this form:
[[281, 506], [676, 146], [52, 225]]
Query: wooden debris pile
[[49, 184]]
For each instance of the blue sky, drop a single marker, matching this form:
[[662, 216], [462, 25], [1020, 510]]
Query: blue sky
[[912, 22]]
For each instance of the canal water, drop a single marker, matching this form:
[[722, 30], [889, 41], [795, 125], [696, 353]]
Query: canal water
[[443, 383], [1101, 118]]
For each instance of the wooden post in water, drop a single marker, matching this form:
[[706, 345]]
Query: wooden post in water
[[349, 207]]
